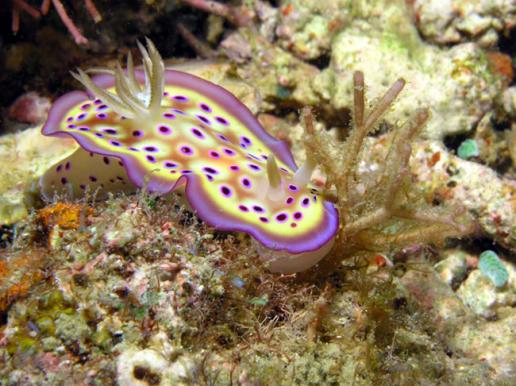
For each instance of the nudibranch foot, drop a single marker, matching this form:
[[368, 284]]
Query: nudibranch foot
[[169, 129], [287, 263], [84, 172]]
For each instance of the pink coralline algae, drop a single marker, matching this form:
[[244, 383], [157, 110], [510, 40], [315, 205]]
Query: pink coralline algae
[[166, 131]]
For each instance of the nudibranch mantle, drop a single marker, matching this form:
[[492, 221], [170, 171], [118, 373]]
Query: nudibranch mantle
[[200, 138]]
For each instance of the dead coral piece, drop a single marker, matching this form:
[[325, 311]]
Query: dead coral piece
[[21, 5], [239, 16], [377, 209]]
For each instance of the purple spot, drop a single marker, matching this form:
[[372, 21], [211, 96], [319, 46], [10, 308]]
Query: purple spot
[[264, 156], [64, 180], [137, 133], [100, 135], [221, 121], [186, 150], [59, 167], [264, 219], [69, 119], [289, 200], [106, 160], [293, 188], [283, 170], [86, 106], [97, 101], [246, 140], [243, 208], [246, 182], [101, 116], [305, 202], [151, 158], [203, 119], [67, 165], [214, 154], [165, 93], [315, 198], [229, 151], [234, 168], [71, 126], [222, 137], [209, 177], [198, 133], [177, 111], [186, 171], [244, 146], [114, 143], [210, 170], [282, 217], [180, 98], [93, 178], [80, 117], [133, 149], [298, 216], [110, 131], [151, 149], [169, 115], [165, 130], [170, 165], [84, 128], [102, 107], [205, 107], [258, 209], [254, 167], [225, 191], [82, 186]]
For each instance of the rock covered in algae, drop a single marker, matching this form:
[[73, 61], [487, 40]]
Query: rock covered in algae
[[307, 27], [160, 364], [458, 85], [455, 21], [492, 342], [453, 267], [26, 156], [477, 188], [482, 296]]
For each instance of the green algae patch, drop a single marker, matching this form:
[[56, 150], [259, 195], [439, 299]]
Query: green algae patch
[[468, 149], [492, 267]]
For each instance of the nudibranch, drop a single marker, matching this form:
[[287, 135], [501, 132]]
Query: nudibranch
[[169, 130]]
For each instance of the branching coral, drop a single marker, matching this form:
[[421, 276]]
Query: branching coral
[[19, 6], [378, 210]]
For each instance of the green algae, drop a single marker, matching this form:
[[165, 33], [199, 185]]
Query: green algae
[[492, 267], [468, 149]]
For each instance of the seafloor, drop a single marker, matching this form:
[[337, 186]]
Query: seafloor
[[136, 290]]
